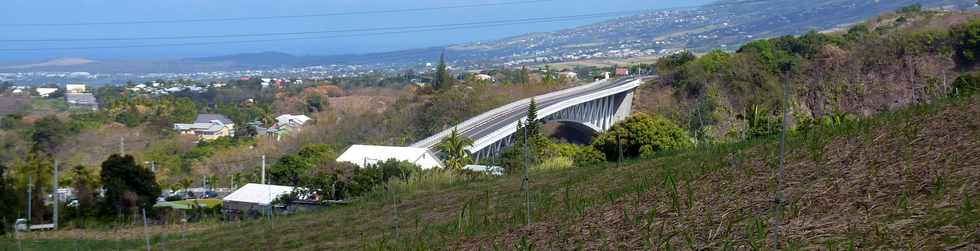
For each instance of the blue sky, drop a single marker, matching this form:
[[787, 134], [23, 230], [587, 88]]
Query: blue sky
[[73, 11]]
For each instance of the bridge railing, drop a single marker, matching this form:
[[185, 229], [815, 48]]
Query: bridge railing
[[434, 139], [545, 111]]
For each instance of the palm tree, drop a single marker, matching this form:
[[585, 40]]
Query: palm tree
[[454, 146]]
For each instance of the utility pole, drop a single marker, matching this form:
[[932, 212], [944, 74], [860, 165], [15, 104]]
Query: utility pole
[[619, 143], [122, 146], [778, 201], [30, 187], [527, 185], [54, 193], [263, 169]]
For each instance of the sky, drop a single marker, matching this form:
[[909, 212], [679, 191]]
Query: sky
[[19, 12]]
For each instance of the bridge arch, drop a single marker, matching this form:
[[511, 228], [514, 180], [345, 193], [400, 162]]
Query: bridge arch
[[596, 106]]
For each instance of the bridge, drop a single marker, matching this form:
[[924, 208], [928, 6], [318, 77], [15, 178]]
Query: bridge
[[595, 107]]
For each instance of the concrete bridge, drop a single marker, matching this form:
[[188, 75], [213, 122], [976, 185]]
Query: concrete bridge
[[595, 107]]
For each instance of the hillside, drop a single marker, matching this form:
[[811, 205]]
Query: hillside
[[900, 180]]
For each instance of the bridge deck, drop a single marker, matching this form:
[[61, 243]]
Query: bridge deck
[[487, 123]]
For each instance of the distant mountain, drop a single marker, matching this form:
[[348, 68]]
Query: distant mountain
[[723, 24]]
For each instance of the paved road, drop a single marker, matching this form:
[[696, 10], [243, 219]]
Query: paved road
[[489, 122]]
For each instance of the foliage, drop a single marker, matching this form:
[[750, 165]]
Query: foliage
[[581, 155], [454, 147], [967, 84], [84, 183], [128, 186], [49, 133], [910, 8], [675, 60], [529, 134], [966, 42], [761, 122], [8, 198], [641, 135], [442, 80], [365, 179]]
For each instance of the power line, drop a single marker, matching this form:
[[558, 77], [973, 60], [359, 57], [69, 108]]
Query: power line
[[231, 19], [505, 21], [299, 38]]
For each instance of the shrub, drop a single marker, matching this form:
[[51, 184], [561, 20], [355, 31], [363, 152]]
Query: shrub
[[639, 134], [966, 43], [967, 84], [580, 154]]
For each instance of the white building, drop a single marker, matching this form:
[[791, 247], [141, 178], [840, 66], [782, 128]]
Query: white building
[[75, 88], [362, 155], [255, 197], [45, 92]]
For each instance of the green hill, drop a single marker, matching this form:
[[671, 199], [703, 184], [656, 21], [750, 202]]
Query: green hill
[[899, 180]]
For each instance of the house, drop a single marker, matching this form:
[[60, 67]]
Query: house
[[254, 199], [45, 92], [483, 77], [622, 71], [292, 120], [208, 127], [75, 88], [84, 101], [568, 75], [365, 155], [284, 124]]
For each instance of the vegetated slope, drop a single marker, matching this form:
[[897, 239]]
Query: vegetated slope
[[904, 180], [900, 180], [888, 62]]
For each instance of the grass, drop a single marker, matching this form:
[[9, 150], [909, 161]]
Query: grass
[[901, 180]]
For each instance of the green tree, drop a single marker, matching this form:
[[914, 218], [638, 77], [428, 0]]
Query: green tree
[[524, 76], [641, 135], [84, 185], [442, 80], [966, 42], [315, 103], [128, 186], [48, 133], [8, 198], [454, 147], [289, 171]]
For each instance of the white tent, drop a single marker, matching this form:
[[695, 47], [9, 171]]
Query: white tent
[[258, 194], [365, 154]]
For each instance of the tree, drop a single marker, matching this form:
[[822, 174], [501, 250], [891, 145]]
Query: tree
[[49, 132], [641, 135], [524, 77], [8, 198], [442, 80], [84, 185], [966, 42], [529, 128], [454, 146], [128, 185], [289, 171], [315, 104]]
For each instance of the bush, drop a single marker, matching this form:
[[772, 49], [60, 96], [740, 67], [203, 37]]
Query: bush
[[641, 134], [967, 84], [581, 155], [966, 43]]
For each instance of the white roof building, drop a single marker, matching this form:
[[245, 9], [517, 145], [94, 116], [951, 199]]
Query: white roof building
[[288, 119], [75, 88], [365, 154], [258, 194], [44, 92]]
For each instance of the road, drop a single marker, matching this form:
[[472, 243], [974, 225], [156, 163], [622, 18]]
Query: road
[[489, 122]]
